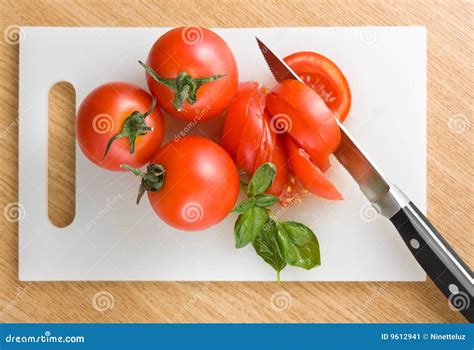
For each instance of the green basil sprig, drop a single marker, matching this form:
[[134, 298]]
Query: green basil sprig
[[277, 243]]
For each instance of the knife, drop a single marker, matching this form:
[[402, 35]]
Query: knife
[[441, 263]]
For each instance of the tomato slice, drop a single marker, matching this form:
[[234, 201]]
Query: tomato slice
[[307, 173], [236, 117], [251, 137], [324, 77], [272, 150], [309, 120], [267, 145]]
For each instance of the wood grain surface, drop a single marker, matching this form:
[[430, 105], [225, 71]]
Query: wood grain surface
[[450, 172]]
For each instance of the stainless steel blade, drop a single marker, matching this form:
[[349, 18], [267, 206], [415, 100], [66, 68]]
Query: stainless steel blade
[[278, 67], [370, 180]]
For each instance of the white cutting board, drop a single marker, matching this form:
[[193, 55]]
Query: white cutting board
[[111, 238]]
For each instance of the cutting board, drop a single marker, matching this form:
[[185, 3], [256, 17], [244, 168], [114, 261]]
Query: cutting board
[[111, 238]]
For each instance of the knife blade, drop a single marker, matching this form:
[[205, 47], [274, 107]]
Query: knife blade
[[449, 272]]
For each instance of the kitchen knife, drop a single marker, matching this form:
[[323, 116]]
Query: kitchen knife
[[447, 270]]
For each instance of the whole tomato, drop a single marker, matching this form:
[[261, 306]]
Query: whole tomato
[[118, 123], [192, 183], [191, 69]]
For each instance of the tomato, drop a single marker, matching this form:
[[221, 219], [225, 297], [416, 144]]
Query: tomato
[[243, 128], [112, 109], [272, 150], [191, 69], [324, 77], [252, 131], [308, 120], [236, 117], [307, 173], [192, 183], [248, 138]]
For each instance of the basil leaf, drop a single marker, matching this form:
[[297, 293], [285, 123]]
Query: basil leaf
[[261, 179], [244, 206], [266, 246], [249, 225], [265, 200], [298, 245]]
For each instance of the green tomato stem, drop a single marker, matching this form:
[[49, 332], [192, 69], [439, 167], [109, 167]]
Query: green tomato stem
[[133, 126], [152, 180], [184, 85]]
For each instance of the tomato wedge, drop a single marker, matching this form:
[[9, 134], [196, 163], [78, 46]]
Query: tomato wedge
[[324, 77], [252, 133], [311, 122], [248, 138], [272, 150], [307, 173], [244, 112]]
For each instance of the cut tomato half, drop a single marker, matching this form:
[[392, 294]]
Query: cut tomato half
[[324, 77]]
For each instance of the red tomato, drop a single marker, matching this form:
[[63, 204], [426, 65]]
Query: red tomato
[[243, 128], [272, 150], [308, 174], [324, 77], [183, 58], [103, 114], [236, 117], [200, 184], [252, 131], [308, 120], [248, 138]]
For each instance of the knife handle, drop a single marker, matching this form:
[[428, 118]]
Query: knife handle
[[447, 270]]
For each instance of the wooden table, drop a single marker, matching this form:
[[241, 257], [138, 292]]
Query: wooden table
[[450, 175]]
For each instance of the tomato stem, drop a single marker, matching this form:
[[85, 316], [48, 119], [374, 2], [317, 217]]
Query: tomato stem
[[152, 180], [184, 85], [133, 126]]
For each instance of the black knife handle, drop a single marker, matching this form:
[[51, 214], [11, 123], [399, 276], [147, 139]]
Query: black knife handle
[[447, 270]]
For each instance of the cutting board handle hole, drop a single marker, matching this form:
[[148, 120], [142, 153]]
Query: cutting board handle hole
[[61, 154]]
